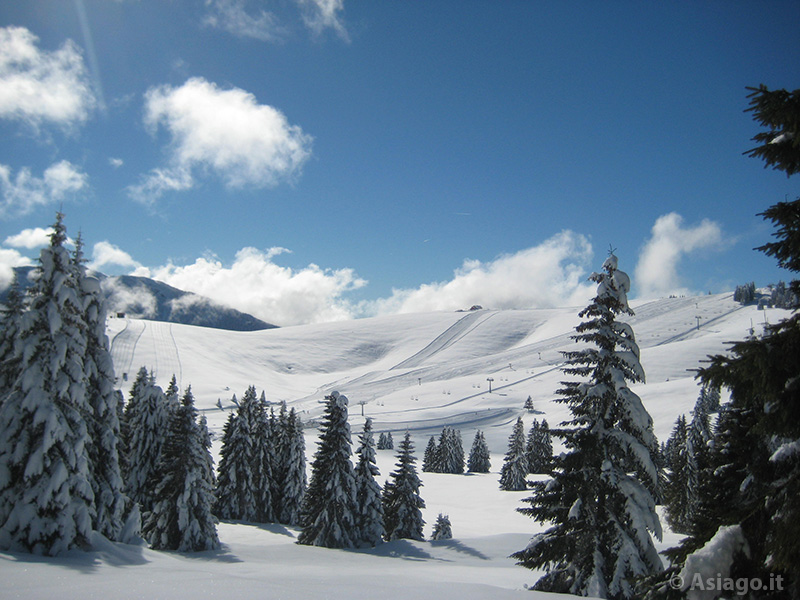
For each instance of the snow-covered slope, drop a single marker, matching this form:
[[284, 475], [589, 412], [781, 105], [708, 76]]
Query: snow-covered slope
[[421, 371], [413, 372]]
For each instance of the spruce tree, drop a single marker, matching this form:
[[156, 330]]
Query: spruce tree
[[368, 492], [10, 355], [266, 509], [479, 461], [449, 456], [514, 472], [294, 479], [46, 498], [682, 479], [442, 529], [599, 503], [429, 458], [328, 515], [181, 518], [146, 418], [111, 504], [235, 483], [539, 448], [402, 503], [755, 463]]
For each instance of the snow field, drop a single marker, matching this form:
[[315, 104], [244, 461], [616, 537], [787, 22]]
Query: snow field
[[416, 372]]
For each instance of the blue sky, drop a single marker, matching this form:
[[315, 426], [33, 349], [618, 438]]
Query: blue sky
[[310, 160]]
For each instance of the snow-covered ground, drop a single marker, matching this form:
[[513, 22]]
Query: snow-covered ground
[[412, 372]]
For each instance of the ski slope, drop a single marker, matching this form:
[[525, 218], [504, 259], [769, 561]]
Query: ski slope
[[413, 372]]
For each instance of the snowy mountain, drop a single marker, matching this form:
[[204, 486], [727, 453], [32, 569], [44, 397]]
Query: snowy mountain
[[413, 372], [146, 298]]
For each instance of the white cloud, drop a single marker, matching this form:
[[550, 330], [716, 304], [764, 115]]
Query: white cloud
[[232, 16], [548, 275], [136, 301], [319, 15], [657, 270], [236, 18], [116, 162], [256, 285], [30, 238], [105, 253], [8, 260], [224, 132], [37, 86], [22, 193]]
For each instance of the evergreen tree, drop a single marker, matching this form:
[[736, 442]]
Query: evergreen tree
[[111, 504], [266, 509], [479, 455], [755, 463], [514, 472], [429, 458], [279, 443], [681, 485], [529, 404], [442, 530], [389, 442], [10, 355], [294, 481], [402, 503], [328, 515], [181, 517], [449, 456], [236, 481], [46, 499], [368, 492], [539, 448], [146, 419], [382, 441], [600, 500]]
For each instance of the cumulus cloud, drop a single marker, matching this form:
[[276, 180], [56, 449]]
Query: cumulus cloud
[[37, 86], [657, 270], [256, 285], [30, 238], [8, 260], [222, 132], [105, 253], [136, 301], [548, 275], [232, 16], [23, 192]]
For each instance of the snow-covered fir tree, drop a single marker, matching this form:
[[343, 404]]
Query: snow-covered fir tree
[[479, 460], [111, 505], [294, 471], [328, 515], [10, 323], [514, 472], [46, 498], [368, 491], [599, 503], [539, 448], [680, 490], [181, 518], [429, 457], [528, 404], [402, 503], [385, 441], [146, 418], [442, 529], [235, 491], [449, 456], [266, 508]]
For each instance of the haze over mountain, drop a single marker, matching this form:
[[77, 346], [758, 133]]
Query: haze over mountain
[[142, 297]]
